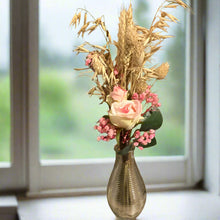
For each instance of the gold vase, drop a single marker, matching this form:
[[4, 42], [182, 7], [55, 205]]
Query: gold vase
[[126, 192]]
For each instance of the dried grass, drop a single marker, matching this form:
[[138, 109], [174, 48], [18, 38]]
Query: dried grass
[[135, 47]]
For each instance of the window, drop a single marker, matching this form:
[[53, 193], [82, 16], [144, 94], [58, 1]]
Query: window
[[4, 83], [47, 109], [67, 113]]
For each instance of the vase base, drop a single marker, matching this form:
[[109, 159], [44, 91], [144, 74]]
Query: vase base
[[119, 218]]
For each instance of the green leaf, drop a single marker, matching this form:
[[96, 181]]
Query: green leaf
[[152, 120], [151, 144]]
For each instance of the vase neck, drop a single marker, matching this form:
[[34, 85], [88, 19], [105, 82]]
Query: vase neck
[[125, 157]]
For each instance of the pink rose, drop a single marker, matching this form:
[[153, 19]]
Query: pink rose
[[125, 114], [118, 94]]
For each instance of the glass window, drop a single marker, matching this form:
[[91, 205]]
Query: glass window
[[68, 114], [4, 83]]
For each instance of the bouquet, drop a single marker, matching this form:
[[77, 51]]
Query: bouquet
[[125, 84]]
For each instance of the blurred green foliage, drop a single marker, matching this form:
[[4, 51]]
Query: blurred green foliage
[[141, 8], [4, 118]]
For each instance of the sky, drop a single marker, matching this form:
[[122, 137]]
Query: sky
[[55, 15], [63, 12]]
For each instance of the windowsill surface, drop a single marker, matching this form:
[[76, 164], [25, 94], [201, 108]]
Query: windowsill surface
[[8, 205], [160, 205]]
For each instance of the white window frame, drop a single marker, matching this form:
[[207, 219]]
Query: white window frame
[[13, 174], [84, 176]]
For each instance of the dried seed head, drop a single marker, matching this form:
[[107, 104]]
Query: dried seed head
[[141, 86], [79, 17], [74, 20], [162, 70]]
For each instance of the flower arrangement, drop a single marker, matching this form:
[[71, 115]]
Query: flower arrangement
[[125, 83]]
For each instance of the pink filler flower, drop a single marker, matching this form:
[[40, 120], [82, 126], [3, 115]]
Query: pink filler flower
[[143, 139], [105, 127]]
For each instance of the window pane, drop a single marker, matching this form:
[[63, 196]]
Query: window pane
[[67, 114], [4, 83]]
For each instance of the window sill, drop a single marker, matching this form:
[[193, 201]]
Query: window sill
[[190, 204], [8, 207]]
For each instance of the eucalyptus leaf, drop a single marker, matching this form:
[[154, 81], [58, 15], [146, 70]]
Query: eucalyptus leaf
[[152, 120]]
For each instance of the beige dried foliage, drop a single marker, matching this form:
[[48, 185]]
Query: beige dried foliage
[[98, 65], [162, 70], [74, 20], [83, 29], [121, 44], [159, 72], [141, 86], [178, 2], [108, 36], [135, 47], [85, 18], [79, 17]]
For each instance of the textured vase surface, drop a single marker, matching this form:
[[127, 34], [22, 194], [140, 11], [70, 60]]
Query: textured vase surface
[[126, 192]]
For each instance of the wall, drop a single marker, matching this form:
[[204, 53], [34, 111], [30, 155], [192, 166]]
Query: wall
[[212, 155]]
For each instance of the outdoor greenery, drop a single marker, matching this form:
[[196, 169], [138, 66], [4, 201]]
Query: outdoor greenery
[[67, 114], [4, 117]]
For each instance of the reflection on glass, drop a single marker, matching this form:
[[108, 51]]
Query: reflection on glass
[[4, 83], [67, 114]]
